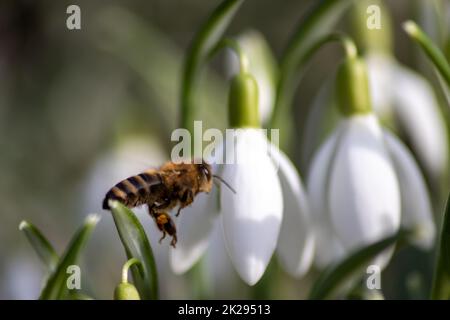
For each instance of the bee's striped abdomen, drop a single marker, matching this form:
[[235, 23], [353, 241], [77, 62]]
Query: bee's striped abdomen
[[133, 191]]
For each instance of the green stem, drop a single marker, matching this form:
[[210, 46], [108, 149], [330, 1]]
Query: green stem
[[320, 19], [349, 49], [346, 42], [126, 267], [441, 278], [205, 39], [430, 49]]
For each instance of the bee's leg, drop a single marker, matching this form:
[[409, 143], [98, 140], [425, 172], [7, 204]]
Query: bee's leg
[[166, 225], [174, 240], [151, 211], [186, 200], [163, 205], [164, 235], [158, 220], [153, 208], [161, 220]]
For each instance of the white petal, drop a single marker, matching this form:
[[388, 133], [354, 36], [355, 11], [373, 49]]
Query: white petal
[[252, 216], [328, 247], [420, 115], [364, 195], [296, 241], [416, 207]]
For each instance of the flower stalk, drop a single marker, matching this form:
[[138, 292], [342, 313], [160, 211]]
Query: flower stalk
[[205, 40], [352, 81], [322, 17], [350, 50], [430, 49], [126, 267], [126, 290]]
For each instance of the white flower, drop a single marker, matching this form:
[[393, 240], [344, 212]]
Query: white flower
[[363, 185], [251, 216], [405, 95], [262, 66], [399, 94], [268, 211]]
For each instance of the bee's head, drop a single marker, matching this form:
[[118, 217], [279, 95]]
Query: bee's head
[[205, 176]]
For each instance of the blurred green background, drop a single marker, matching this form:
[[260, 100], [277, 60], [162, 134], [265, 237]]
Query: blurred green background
[[80, 109]]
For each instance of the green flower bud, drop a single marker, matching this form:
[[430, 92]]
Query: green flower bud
[[126, 291], [352, 87], [243, 101]]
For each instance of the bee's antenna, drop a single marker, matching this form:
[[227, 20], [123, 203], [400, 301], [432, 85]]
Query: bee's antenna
[[224, 182]]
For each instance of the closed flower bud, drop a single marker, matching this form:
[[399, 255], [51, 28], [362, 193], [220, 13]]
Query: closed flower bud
[[126, 291]]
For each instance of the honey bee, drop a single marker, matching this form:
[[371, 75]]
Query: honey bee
[[172, 185]]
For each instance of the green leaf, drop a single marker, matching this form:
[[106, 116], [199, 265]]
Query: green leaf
[[204, 41], [436, 56], [441, 280], [336, 275], [56, 286], [136, 246], [315, 25], [41, 245]]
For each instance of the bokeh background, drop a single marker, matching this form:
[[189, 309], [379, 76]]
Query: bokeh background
[[82, 109]]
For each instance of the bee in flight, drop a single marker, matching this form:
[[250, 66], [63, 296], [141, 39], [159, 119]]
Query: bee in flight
[[172, 185]]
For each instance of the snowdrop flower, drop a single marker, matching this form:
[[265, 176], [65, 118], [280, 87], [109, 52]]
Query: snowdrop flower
[[400, 94], [364, 183], [262, 66], [268, 209], [405, 95]]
